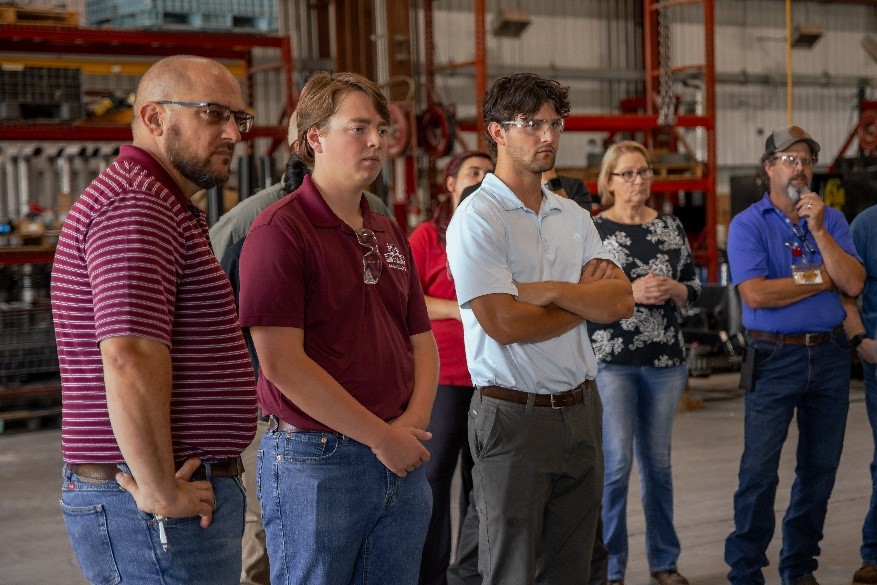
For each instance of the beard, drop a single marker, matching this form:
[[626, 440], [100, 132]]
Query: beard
[[194, 168]]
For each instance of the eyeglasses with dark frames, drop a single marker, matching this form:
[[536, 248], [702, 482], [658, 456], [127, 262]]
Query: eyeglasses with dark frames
[[217, 113], [644, 173], [536, 125], [371, 262]]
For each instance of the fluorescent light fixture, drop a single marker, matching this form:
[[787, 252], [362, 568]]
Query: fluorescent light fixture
[[804, 36], [510, 22]]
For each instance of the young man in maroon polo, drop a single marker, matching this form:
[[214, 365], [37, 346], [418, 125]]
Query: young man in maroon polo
[[348, 363], [156, 381]]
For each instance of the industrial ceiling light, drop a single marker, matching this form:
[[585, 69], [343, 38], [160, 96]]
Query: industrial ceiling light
[[510, 22], [804, 36], [869, 43]]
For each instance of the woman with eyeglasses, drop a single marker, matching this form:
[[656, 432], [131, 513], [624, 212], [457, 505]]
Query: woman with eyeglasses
[[448, 422], [641, 360]]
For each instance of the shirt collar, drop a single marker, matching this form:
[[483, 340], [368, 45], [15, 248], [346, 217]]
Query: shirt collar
[[138, 156], [509, 201], [321, 215]]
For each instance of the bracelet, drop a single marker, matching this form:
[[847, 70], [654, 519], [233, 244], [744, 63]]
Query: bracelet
[[856, 340]]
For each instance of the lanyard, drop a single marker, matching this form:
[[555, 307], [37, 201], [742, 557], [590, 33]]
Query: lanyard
[[801, 233]]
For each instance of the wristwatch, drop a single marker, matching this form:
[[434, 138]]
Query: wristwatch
[[554, 184], [856, 340]]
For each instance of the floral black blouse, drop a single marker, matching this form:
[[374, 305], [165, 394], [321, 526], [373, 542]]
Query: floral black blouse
[[652, 336]]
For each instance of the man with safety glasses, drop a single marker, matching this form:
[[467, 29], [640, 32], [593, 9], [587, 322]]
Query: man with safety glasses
[[792, 258], [530, 271]]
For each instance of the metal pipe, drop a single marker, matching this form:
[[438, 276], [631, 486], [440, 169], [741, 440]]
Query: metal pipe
[[24, 155], [10, 166], [245, 177], [65, 169], [266, 166]]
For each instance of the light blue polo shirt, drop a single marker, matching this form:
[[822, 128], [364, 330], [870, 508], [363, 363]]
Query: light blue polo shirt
[[493, 242], [760, 243]]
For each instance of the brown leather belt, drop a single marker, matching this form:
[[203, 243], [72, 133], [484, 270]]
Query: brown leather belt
[[107, 471], [795, 339], [558, 400]]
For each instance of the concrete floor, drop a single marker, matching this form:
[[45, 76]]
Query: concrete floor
[[706, 451]]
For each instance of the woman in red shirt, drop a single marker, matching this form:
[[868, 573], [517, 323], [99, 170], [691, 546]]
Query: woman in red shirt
[[448, 422]]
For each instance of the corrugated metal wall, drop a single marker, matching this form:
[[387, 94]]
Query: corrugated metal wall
[[596, 47]]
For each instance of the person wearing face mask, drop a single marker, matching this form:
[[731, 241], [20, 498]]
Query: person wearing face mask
[[448, 422], [792, 258], [642, 370]]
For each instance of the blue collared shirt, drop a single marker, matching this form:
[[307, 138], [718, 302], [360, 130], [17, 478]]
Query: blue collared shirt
[[761, 244], [864, 228], [493, 242]]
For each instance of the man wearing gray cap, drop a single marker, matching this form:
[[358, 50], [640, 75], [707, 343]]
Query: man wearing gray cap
[[792, 258]]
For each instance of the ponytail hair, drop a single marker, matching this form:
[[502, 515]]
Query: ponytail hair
[[294, 175]]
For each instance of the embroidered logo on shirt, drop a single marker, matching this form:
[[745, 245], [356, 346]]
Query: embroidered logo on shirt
[[394, 257]]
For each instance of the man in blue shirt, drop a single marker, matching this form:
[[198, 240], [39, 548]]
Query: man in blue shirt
[[792, 258], [863, 330], [527, 266]]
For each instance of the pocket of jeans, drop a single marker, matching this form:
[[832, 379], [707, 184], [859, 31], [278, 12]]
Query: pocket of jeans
[[87, 530], [310, 447]]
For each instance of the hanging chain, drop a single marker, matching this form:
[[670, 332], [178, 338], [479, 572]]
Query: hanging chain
[[666, 99]]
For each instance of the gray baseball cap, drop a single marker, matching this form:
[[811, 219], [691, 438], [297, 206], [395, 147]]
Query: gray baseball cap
[[783, 138]]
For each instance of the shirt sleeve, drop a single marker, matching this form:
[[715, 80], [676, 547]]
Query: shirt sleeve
[[476, 253], [420, 242], [135, 254], [687, 270], [747, 255], [418, 317], [272, 286]]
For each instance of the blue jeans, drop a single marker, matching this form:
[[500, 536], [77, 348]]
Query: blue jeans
[[114, 542], [334, 514], [869, 528], [814, 382], [639, 405]]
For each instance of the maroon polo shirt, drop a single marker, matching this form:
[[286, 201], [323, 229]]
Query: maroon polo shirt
[[301, 267], [133, 259]]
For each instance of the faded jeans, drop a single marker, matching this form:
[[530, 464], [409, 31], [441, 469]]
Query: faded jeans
[[335, 515], [115, 542], [639, 406]]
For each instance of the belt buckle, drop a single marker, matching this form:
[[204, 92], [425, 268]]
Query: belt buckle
[[562, 402], [810, 338]]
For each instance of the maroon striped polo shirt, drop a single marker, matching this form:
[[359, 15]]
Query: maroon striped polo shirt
[[133, 258]]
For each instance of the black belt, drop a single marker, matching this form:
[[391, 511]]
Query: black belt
[[795, 338], [107, 471], [558, 400]]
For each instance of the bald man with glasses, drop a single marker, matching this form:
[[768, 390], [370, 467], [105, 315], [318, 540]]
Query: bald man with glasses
[[158, 390]]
